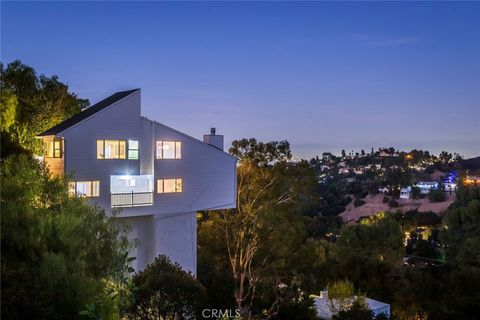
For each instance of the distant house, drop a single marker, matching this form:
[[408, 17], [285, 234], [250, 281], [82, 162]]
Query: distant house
[[426, 186], [472, 180], [358, 171], [383, 190], [324, 167], [450, 186], [324, 306], [405, 193]]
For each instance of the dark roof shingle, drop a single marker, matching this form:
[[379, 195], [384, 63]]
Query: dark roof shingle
[[87, 113]]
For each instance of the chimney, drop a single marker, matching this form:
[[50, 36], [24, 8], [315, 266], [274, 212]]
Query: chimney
[[213, 139]]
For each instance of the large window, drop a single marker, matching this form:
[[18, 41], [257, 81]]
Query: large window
[[111, 149], [169, 185], [53, 148], [84, 188], [169, 150], [133, 149]]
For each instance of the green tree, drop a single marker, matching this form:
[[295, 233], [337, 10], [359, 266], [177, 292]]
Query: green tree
[[41, 102], [258, 240], [341, 295], [164, 291], [415, 192], [8, 108], [436, 196], [381, 239], [463, 234], [357, 311], [58, 252]]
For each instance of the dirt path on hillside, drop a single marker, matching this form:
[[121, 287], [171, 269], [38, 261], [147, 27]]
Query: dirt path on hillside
[[375, 204]]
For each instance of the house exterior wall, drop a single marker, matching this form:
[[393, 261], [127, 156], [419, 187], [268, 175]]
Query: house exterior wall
[[120, 121], [168, 226]]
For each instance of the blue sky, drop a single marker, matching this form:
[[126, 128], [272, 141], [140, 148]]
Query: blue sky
[[324, 76]]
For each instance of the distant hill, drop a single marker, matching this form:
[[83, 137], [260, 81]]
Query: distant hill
[[472, 163]]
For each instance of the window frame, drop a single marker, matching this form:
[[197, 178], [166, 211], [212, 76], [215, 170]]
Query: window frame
[[177, 145], [119, 141], [137, 149], [76, 193], [178, 185], [55, 142]]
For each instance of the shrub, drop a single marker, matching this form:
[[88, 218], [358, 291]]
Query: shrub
[[346, 200], [164, 291], [428, 218], [436, 196], [393, 203], [426, 249], [57, 251], [415, 192], [386, 199], [358, 202], [362, 194]]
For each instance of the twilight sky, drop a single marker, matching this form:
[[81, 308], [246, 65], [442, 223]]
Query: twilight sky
[[324, 76]]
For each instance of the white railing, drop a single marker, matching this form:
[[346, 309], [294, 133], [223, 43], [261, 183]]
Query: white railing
[[132, 199]]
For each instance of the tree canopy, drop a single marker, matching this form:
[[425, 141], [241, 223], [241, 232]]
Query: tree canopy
[[33, 103], [57, 251]]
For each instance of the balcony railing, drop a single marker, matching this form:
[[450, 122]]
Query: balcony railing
[[131, 199]]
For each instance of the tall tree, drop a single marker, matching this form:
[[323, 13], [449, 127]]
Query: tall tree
[[264, 229], [41, 102], [58, 252]]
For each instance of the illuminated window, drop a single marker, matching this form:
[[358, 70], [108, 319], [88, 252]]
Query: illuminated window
[[169, 185], [169, 150], [133, 149], [53, 148], [84, 188], [112, 149]]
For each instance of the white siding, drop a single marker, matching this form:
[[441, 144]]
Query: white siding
[[169, 225], [119, 121]]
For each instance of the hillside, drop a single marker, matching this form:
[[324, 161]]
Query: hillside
[[375, 204], [471, 164]]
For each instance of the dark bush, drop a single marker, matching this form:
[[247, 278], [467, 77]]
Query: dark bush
[[164, 291], [362, 194], [358, 202], [415, 192], [426, 249], [436, 196], [428, 218], [393, 204], [346, 200], [386, 199]]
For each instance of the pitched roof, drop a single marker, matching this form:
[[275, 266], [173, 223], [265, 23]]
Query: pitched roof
[[62, 126]]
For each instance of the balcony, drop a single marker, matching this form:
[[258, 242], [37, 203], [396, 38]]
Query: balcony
[[132, 199], [131, 191]]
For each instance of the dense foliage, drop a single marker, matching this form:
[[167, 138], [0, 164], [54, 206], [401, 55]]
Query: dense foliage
[[64, 259], [164, 291], [31, 104], [57, 251]]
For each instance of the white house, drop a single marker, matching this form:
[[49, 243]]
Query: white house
[[156, 176], [384, 190], [324, 306], [426, 187], [405, 193]]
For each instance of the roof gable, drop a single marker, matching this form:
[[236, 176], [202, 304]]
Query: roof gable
[[62, 126]]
